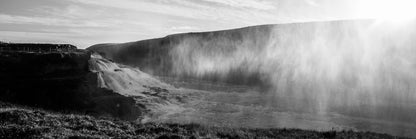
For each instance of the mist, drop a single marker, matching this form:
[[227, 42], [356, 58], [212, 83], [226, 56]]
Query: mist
[[365, 68]]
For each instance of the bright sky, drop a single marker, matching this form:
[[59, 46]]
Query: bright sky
[[88, 22]]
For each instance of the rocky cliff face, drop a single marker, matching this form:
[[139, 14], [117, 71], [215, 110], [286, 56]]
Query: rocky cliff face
[[46, 79], [71, 81]]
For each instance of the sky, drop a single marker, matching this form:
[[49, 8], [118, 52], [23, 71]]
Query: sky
[[88, 22]]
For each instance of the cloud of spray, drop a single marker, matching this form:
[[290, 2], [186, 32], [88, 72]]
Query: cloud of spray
[[323, 65]]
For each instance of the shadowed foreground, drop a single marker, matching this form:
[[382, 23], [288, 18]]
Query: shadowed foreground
[[22, 122]]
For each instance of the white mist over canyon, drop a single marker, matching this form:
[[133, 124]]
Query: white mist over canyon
[[356, 68], [333, 63]]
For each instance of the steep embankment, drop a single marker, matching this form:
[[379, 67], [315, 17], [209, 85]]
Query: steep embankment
[[76, 81]]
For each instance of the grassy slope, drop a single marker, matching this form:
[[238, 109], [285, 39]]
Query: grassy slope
[[24, 122]]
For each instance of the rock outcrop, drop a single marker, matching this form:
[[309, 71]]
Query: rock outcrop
[[75, 81]]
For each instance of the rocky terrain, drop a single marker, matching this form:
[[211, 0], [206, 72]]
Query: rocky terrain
[[74, 80]]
